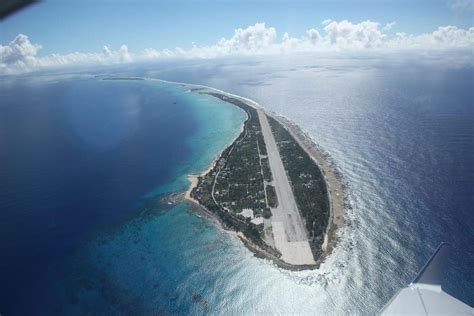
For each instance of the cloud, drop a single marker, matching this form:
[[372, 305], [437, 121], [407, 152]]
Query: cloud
[[445, 37], [389, 26], [346, 35], [121, 55], [253, 39], [20, 55], [313, 36], [326, 22], [461, 5], [342, 36]]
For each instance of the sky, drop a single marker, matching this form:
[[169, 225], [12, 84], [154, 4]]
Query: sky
[[154, 29]]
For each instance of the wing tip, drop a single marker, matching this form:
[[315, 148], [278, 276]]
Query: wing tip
[[433, 270]]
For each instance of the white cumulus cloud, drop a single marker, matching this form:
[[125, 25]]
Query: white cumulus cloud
[[313, 36], [20, 55], [256, 38], [346, 35], [445, 37]]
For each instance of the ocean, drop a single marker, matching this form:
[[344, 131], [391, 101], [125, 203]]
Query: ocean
[[84, 157], [85, 162]]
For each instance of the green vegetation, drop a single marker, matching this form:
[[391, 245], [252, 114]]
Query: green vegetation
[[241, 176], [236, 181], [271, 196], [307, 181], [267, 173], [261, 144], [267, 213]]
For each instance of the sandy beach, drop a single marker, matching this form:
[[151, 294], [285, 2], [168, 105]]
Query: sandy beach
[[194, 182]]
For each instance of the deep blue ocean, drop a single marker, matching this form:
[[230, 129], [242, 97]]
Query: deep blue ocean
[[81, 157], [85, 161]]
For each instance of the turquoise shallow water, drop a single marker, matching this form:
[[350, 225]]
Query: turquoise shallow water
[[164, 259]]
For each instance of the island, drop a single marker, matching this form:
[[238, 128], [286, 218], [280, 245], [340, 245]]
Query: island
[[274, 188]]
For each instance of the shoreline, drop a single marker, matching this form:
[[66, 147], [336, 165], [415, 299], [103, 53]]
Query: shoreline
[[255, 249], [334, 185], [336, 189], [333, 179]]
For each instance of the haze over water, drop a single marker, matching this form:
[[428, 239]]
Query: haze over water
[[84, 236]]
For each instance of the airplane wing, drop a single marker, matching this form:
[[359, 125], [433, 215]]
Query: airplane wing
[[8, 7], [425, 296]]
